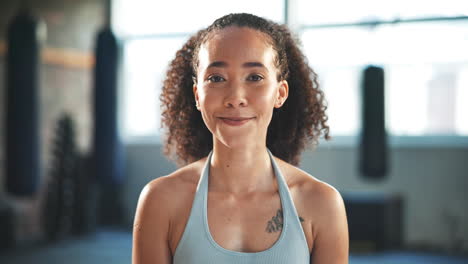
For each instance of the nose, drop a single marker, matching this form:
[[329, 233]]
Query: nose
[[235, 97]]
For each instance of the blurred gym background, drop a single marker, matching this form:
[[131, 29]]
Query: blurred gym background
[[80, 121]]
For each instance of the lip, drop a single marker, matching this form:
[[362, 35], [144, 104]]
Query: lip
[[235, 121]]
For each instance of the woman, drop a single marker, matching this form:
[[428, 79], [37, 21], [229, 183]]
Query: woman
[[240, 105]]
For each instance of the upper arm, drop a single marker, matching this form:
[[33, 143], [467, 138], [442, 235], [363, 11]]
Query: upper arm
[[331, 242], [151, 225]]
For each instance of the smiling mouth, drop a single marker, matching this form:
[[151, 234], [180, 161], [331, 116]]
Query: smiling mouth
[[236, 118], [236, 121]]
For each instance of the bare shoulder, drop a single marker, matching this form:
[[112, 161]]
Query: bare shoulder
[[165, 191], [322, 207], [315, 198], [162, 197], [157, 206]]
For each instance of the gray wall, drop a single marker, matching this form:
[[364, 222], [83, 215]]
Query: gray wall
[[432, 180]]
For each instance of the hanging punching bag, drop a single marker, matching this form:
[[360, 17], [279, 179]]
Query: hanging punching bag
[[22, 133], [373, 143], [108, 159]]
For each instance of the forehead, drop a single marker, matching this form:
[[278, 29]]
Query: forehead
[[237, 45]]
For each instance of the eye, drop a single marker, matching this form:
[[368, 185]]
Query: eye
[[255, 78], [215, 78]]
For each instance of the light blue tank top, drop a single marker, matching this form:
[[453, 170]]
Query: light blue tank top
[[197, 246]]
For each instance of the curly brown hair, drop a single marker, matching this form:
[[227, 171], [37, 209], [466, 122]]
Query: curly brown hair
[[301, 119]]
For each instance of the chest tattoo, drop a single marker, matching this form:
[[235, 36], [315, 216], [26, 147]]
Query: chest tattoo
[[276, 222]]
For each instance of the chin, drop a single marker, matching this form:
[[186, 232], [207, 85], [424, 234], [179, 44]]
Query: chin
[[237, 137], [237, 141]]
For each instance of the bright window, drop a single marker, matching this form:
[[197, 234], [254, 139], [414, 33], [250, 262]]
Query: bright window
[[145, 62], [339, 11], [149, 17], [425, 74]]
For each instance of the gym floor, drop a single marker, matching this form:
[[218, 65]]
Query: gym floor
[[110, 246]]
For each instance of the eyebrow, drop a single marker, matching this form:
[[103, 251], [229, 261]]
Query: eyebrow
[[223, 64]]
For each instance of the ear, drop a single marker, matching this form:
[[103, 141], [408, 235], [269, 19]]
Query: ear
[[195, 93], [283, 92]]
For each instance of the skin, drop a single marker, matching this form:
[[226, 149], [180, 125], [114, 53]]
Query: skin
[[236, 78]]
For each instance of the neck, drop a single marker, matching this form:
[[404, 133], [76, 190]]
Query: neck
[[240, 170]]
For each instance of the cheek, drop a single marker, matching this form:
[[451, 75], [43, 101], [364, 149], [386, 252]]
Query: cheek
[[264, 102], [264, 99], [209, 100]]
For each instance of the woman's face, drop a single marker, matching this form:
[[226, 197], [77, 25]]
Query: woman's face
[[237, 86]]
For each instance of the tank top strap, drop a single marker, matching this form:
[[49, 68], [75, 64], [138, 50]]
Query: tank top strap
[[286, 199], [203, 182]]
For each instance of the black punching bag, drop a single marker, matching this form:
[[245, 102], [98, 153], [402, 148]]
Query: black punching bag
[[108, 160], [22, 131], [373, 145]]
